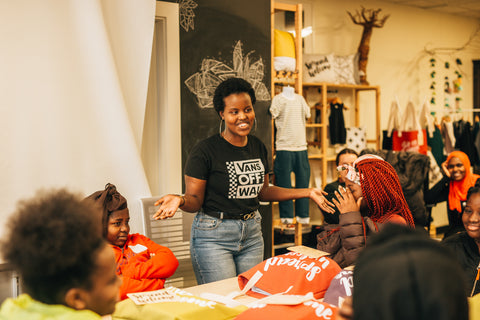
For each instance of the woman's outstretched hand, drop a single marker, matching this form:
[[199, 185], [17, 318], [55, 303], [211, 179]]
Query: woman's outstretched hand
[[345, 201], [318, 196], [168, 206]]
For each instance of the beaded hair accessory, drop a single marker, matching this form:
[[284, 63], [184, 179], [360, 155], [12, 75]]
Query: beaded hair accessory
[[352, 171], [353, 174]]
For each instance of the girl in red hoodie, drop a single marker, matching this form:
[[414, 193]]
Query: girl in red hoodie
[[143, 264]]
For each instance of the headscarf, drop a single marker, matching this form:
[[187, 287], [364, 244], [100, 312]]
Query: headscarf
[[402, 274], [381, 188], [458, 189], [109, 200]]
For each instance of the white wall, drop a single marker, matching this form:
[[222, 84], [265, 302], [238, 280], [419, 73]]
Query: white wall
[[73, 86], [398, 62]]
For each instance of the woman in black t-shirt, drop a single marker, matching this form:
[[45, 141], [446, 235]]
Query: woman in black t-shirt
[[226, 176]]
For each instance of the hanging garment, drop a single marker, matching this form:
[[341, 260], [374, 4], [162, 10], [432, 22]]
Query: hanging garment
[[291, 150], [410, 136], [436, 146], [289, 116], [465, 140], [393, 124], [448, 136], [338, 133], [476, 136]]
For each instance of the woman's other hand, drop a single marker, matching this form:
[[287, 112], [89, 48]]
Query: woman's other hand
[[318, 196], [345, 201], [168, 206]]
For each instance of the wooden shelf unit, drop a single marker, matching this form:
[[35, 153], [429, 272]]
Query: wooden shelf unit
[[286, 78], [296, 79], [321, 137]]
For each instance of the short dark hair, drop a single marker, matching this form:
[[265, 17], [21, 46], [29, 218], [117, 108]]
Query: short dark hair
[[345, 151], [404, 262], [231, 86], [473, 190], [52, 240]]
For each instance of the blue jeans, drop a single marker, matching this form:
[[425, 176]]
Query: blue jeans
[[287, 162], [224, 248]]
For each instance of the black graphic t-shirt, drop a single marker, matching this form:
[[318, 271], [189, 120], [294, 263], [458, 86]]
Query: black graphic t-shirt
[[234, 175]]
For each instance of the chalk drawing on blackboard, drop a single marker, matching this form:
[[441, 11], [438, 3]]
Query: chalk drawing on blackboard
[[186, 14], [212, 72]]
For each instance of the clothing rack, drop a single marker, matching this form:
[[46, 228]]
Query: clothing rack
[[328, 90], [284, 84], [467, 110]]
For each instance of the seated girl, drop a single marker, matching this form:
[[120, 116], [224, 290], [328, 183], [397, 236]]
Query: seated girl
[[372, 197], [458, 178], [466, 244], [143, 264]]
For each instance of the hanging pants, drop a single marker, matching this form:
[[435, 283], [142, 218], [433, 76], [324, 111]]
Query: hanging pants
[[287, 162]]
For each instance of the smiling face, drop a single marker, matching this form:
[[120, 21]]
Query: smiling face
[[118, 227], [456, 169], [239, 117], [471, 217]]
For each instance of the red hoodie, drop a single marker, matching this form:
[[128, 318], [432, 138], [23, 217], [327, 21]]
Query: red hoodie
[[143, 264]]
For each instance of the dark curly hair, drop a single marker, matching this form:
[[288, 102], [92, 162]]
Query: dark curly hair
[[52, 241], [231, 86], [420, 279]]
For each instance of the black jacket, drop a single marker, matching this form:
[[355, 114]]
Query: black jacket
[[467, 253]]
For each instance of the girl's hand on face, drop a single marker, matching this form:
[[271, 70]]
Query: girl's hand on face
[[318, 196], [445, 169], [345, 201], [168, 206]]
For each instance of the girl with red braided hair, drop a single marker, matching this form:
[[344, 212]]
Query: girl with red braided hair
[[373, 197]]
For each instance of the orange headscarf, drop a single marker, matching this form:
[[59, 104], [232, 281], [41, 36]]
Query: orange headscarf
[[458, 189]]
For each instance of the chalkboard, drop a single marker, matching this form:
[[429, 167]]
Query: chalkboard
[[220, 35], [216, 32]]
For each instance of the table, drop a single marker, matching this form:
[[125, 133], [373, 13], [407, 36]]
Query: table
[[221, 287]]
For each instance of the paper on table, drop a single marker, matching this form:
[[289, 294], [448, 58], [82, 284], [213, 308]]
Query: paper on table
[[309, 252], [162, 295], [228, 300], [284, 299]]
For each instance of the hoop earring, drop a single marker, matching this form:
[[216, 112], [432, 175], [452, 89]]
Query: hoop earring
[[255, 125], [220, 127]]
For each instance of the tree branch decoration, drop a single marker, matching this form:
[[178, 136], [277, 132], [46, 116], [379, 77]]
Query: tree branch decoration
[[369, 19]]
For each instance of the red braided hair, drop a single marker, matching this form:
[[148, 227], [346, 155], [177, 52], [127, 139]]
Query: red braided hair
[[382, 191]]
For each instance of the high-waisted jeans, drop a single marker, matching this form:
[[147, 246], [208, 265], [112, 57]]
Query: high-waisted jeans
[[224, 248]]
